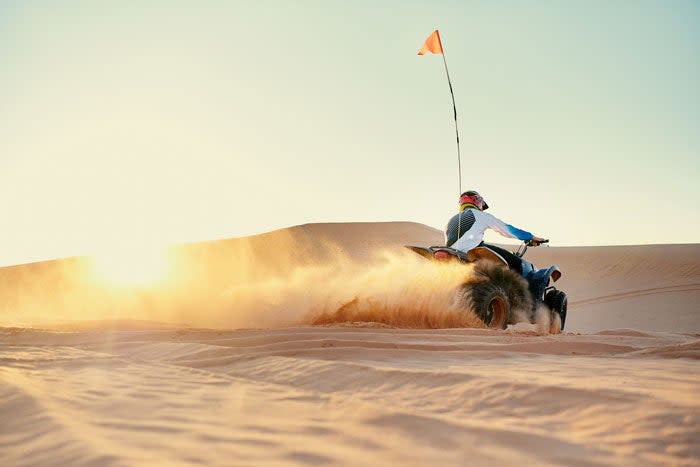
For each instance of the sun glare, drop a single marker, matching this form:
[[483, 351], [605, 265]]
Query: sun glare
[[135, 267]]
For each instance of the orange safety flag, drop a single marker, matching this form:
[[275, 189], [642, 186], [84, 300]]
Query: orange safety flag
[[432, 44]]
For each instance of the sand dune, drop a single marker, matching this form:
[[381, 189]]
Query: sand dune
[[650, 287], [119, 380], [347, 396]]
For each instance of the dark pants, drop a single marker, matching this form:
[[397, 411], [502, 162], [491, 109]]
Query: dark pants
[[514, 262]]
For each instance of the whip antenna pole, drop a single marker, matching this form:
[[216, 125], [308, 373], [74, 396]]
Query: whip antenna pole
[[454, 109], [433, 44]]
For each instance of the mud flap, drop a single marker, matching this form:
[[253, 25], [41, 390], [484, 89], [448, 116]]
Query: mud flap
[[424, 252]]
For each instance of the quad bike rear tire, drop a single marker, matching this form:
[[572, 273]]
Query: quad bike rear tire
[[496, 294], [497, 311], [488, 302]]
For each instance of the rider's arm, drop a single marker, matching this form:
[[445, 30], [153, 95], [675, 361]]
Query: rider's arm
[[504, 229]]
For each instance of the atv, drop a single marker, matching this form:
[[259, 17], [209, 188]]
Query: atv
[[499, 292]]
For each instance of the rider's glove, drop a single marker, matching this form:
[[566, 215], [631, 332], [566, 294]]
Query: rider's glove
[[537, 241]]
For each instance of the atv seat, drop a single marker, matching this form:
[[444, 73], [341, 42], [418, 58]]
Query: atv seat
[[483, 253]]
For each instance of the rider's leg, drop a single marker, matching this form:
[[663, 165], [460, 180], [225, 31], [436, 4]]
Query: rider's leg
[[514, 262]]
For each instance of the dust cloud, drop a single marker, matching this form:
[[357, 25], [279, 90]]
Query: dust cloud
[[238, 288], [396, 289]]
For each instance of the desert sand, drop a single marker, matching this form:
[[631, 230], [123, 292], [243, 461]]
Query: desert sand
[[215, 359]]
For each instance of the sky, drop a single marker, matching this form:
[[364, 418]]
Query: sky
[[132, 123]]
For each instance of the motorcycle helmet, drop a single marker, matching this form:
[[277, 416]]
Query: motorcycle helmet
[[472, 199]]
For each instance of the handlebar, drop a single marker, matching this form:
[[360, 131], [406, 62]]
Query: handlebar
[[523, 248]]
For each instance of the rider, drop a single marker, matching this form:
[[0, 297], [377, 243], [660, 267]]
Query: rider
[[465, 230]]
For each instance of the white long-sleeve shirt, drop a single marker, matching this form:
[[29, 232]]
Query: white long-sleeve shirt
[[466, 229]]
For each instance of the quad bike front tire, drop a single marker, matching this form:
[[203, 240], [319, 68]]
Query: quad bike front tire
[[558, 302]]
